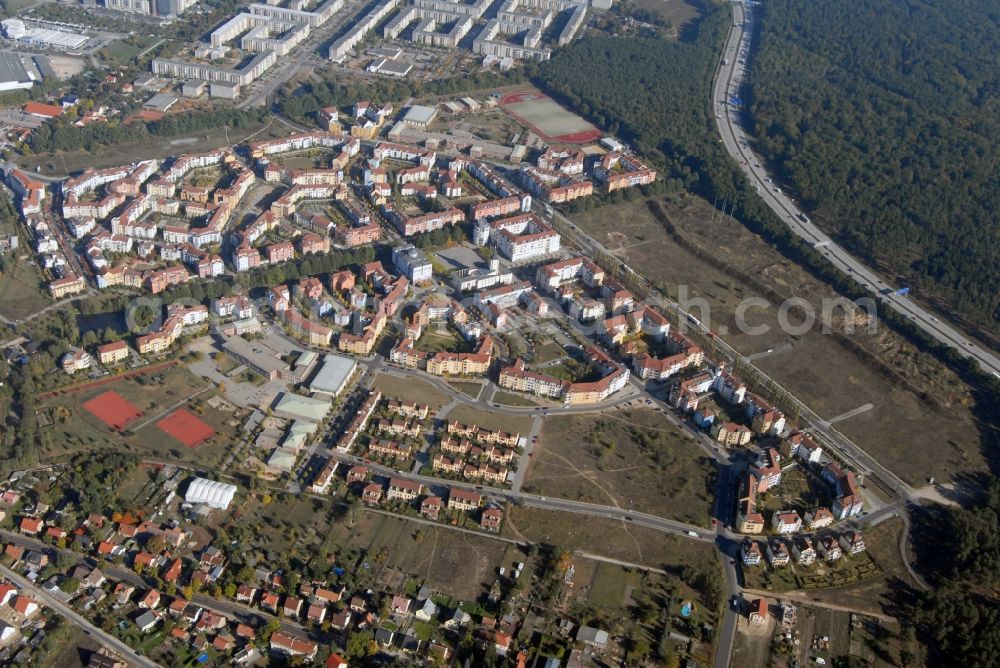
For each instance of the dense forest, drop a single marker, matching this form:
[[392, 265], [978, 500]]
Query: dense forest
[[884, 117], [650, 91], [960, 550], [655, 94]]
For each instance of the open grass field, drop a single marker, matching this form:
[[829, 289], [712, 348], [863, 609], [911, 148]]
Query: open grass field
[[21, 292], [492, 125], [491, 419], [122, 51], [410, 389], [678, 12], [722, 264], [627, 458], [394, 549], [608, 538], [83, 431], [547, 350]]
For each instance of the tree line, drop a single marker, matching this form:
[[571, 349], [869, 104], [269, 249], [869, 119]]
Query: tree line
[[960, 551], [61, 135]]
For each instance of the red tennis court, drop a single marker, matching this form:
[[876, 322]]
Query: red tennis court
[[113, 410], [186, 428]]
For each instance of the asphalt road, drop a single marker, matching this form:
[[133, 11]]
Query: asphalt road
[[52, 602], [737, 142], [731, 617]]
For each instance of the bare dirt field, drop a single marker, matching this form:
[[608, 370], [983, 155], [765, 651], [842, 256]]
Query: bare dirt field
[[627, 458], [700, 256], [608, 538], [491, 419], [410, 389]]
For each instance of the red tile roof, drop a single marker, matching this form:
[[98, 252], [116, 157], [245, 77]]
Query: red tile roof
[[39, 109]]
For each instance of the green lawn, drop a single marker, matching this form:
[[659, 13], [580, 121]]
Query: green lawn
[[546, 351], [433, 341], [607, 589], [511, 399], [21, 291], [124, 50], [569, 369]]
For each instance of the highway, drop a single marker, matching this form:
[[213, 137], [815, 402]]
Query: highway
[[727, 85], [50, 601]]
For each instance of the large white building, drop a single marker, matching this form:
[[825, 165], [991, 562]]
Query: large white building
[[412, 263], [211, 493], [164, 8], [519, 238]]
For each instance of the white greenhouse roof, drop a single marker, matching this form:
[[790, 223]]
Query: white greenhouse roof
[[210, 492]]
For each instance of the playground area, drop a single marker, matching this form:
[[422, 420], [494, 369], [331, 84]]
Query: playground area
[[186, 428], [548, 118], [113, 410]]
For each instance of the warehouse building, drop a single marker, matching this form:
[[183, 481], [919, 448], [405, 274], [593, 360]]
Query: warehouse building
[[334, 375]]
